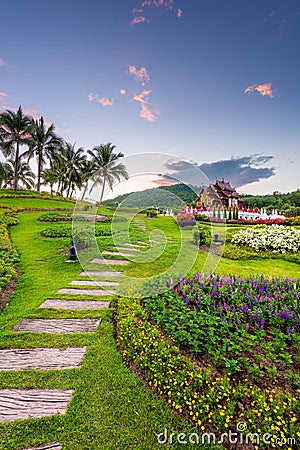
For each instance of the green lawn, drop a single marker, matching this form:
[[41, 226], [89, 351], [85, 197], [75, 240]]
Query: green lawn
[[36, 203], [111, 408]]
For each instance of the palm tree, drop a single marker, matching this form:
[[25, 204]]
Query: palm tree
[[15, 130], [73, 162], [86, 171], [106, 168], [50, 176], [43, 144], [24, 175], [6, 172]]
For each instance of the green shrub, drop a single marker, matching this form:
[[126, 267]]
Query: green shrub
[[201, 236]]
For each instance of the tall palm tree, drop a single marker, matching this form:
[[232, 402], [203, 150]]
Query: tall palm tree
[[106, 167], [87, 170], [15, 130], [25, 175], [6, 172], [73, 160], [43, 144], [50, 176]]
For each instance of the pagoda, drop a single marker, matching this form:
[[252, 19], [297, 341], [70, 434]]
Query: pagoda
[[220, 191]]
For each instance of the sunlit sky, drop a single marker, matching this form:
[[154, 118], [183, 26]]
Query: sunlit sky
[[214, 82]]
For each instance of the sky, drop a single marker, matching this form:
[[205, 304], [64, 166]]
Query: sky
[[212, 82]]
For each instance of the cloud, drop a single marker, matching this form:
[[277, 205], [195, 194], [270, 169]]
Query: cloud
[[2, 62], [2, 96], [123, 92], [139, 19], [137, 11], [179, 13], [238, 170], [148, 114], [105, 101], [142, 97], [140, 75], [265, 89]]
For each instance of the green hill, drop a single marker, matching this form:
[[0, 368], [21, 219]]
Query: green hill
[[162, 197]]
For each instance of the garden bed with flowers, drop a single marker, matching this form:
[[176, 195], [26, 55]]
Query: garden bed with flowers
[[8, 253], [220, 350]]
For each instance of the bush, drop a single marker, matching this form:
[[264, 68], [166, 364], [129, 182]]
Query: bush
[[185, 219], [83, 239], [151, 213], [201, 236]]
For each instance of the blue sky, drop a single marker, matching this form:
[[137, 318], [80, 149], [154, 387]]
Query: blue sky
[[214, 82]]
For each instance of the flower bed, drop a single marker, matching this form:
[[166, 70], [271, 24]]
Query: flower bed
[[295, 221], [211, 400], [185, 219], [8, 253], [276, 238]]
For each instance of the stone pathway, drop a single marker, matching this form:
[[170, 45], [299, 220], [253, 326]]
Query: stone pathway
[[95, 273], [50, 446], [74, 305], [32, 403], [99, 292], [94, 283], [111, 262], [58, 326], [41, 358], [106, 252]]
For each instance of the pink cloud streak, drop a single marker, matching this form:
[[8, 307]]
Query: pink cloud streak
[[142, 97], [123, 92], [103, 100], [148, 114], [139, 19], [265, 89], [140, 75], [2, 62]]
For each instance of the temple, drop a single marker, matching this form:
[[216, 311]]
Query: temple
[[220, 191]]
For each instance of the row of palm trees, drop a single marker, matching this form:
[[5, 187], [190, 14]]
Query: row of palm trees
[[59, 164]]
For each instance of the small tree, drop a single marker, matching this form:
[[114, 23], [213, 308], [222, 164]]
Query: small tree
[[225, 213], [229, 215]]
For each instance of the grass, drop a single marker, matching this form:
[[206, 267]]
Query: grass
[[111, 408], [35, 203]]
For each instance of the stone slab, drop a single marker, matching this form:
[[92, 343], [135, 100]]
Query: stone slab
[[111, 262], [127, 249], [32, 403], [97, 292], [106, 252], [74, 304], [95, 273], [50, 446], [41, 358], [94, 283], [135, 245], [58, 326]]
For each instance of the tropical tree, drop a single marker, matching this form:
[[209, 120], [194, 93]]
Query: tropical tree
[[106, 168], [6, 172], [49, 177], [24, 175], [86, 171], [43, 144], [73, 163], [15, 130]]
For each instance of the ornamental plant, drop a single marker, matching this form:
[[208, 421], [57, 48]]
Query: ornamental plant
[[185, 219], [276, 238]]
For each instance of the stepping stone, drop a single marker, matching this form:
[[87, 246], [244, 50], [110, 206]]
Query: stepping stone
[[134, 245], [126, 249], [95, 273], [94, 283], [41, 358], [32, 403], [58, 326], [112, 262], [74, 304], [106, 252], [50, 446], [99, 292]]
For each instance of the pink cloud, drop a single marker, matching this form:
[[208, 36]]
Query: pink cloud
[[265, 89], [142, 97], [168, 4], [179, 13], [105, 101], [139, 19], [140, 75], [2, 96], [123, 92], [2, 62], [136, 11], [92, 97], [148, 114]]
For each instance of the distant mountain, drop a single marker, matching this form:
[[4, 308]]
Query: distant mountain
[[163, 197]]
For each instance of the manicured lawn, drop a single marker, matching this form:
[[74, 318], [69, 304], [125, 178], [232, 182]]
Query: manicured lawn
[[36, 203]]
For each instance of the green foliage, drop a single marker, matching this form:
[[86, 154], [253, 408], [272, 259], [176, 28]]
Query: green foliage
[[65, 230], [151, 213], [201, 236]]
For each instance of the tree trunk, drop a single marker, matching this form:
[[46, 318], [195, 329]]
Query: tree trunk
[[51, 189], [102, 192], [84, 191], [38, 186], [16, 167]]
